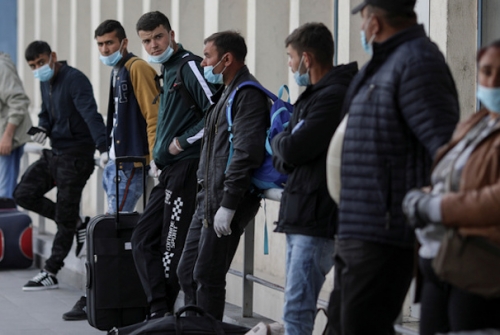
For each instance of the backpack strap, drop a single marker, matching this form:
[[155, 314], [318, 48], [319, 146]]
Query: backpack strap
[[280, 92], [179, 85], [158, 78], [229, 113], [274, 116]]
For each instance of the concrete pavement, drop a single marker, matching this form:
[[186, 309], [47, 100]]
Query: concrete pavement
[[37, 312]]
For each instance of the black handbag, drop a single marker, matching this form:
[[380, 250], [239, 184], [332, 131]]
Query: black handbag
[[470, 263], [204, 324]]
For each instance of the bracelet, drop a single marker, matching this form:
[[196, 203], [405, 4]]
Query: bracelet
[[177, 144]]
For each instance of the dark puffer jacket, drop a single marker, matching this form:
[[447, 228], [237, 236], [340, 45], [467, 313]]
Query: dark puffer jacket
[[402, 107], [306, 207]]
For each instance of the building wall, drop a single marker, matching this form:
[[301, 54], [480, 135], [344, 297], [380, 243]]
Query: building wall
[[68, 25]]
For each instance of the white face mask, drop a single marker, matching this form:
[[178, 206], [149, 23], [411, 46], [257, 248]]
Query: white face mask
[[44, 73], [165, 55], [301, 79], [489, 97], [367, 45], [114, 58], [210, 76]]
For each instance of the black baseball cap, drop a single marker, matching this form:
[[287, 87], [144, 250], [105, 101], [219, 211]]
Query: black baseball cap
[[391, 6]]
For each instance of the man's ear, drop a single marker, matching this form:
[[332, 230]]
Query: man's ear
[[54, 57], [376, 25], [125, 44], [228, 59], [308, 59]]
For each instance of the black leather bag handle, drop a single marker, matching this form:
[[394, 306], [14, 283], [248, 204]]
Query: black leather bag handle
[[205, 318]]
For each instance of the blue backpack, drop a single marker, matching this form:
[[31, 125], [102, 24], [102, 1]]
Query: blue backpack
[[266, 176]]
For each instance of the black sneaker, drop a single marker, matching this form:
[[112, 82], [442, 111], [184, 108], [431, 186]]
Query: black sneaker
[[42, 281], [78, 312], [80, 234]]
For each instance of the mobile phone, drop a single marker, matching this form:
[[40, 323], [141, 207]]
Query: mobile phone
[[34, 130]]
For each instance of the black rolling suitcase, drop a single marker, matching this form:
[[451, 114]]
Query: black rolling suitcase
[[16, 233], [204, 324], [115, 297]]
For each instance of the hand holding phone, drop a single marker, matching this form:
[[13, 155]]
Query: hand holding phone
[[38, 134], [35, 130]]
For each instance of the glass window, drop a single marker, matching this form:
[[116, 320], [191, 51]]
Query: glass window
[[488, 22]]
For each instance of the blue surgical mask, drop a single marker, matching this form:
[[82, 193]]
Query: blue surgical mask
[[211, 77], [301, 79], [160, 59], [367, 45], [489, 97], [44, 73], [112, 59]]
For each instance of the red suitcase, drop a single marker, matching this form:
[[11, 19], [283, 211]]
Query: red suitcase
[[16, 233]]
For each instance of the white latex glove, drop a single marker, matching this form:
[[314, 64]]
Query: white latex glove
[[104, 159], [222, 221], [153, 172], [40, 137]]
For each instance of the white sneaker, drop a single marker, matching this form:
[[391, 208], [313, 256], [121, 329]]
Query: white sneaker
[[42, 281]]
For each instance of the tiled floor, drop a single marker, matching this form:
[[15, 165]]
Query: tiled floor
[[39, 312]]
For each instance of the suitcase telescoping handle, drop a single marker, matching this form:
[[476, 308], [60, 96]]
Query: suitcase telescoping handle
[[129, 159], [205, 319]]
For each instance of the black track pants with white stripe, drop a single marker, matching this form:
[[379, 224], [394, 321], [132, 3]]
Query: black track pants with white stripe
[[158, 239]]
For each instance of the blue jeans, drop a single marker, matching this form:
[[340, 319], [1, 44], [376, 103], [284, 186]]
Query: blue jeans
[[130, 187], [308, 261], [9, 171]]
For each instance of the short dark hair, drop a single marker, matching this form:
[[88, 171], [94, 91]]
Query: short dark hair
[[481, 52], [229, 41], [110, 26], [313, 37], [394, 20], [35, 49], [152, 20]]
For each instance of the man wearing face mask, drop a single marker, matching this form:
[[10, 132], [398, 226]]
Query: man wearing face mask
[[131, 125], [69, 118], [308, 215], [402, 107], [132, 117], [226, 202], [159, 237]]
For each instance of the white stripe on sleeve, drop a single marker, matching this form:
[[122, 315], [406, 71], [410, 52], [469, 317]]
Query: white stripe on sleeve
[[196, 137], [201, 80]]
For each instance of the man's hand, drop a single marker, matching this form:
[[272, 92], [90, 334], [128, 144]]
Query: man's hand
[[40, 137], [5, 145], [421, 208], [153, 172], [103, 160], [175, 147], [222, 221], [6, 140]]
